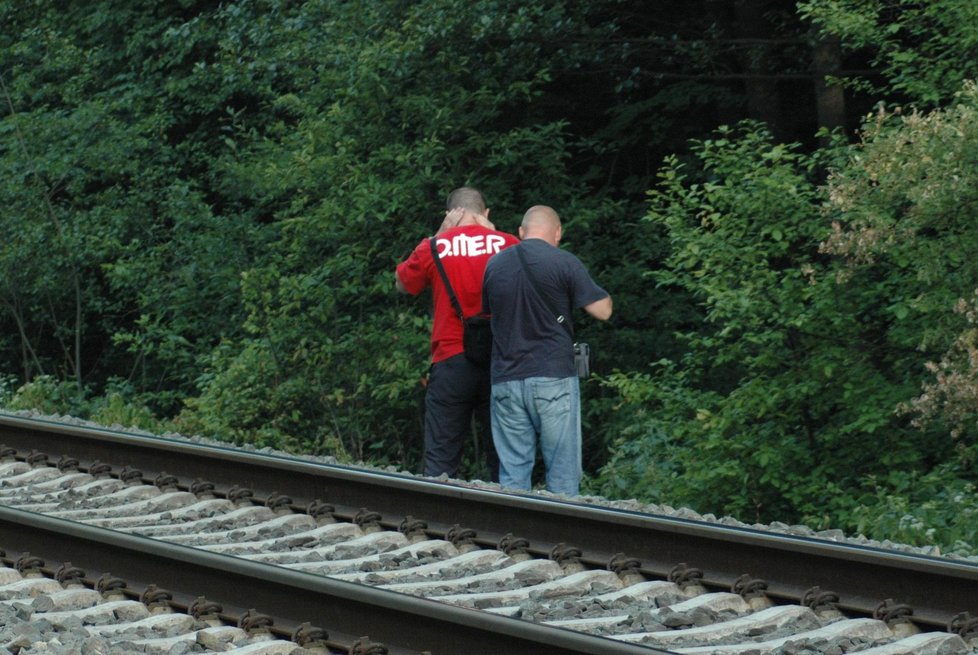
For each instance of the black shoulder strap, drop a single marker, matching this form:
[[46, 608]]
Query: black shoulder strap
[[444, 278], [546, 301]]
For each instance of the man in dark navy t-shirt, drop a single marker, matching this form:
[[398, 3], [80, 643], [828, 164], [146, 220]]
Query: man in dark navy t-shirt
[[535, 391]]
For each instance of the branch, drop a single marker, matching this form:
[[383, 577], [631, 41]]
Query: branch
[[25, 341], [52, 215]]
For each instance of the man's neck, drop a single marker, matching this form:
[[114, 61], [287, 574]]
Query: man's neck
[[546, 240]]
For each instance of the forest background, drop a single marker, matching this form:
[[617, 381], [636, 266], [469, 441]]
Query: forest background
[[203, 203]]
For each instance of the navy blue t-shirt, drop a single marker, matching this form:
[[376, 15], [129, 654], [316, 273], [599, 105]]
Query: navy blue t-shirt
[[527, 340]]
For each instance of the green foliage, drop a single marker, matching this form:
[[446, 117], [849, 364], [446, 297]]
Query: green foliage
[[644, 461], [241, 179], [8, 386], [119, 409], [791, 374], [822, 306], [925, 50], [232, 166], [204, 204], [401, 112], [904, 212], [104, 245], [951, 396], [48, 395], [938, 507]]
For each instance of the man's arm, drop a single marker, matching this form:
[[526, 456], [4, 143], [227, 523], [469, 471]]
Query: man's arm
[[411, 276], [452, 219], [400, 285], [600, 309], [483, 220]]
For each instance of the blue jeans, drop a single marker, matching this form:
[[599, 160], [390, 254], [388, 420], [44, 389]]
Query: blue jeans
[[548, 409]]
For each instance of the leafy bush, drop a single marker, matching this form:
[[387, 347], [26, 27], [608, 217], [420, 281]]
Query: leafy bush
[[206, 203], [904, 213], [786, 395], [8, 386], [936, 508], [48, 395], [119, 409]]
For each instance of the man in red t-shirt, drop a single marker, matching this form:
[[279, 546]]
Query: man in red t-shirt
[[458, 390]]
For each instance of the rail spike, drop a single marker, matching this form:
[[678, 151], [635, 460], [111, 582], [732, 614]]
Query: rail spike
[[626, 568], [309, 636], [131, 475], [65, 464], [964, 625], [166, 482], [69, 575], [253, 621], [205, 610], [688, 578], [568, 557], [515, 547], [898, 616], [462, 538], [823, 603], [109, 585], [279, 502], [240, 495], [28, 564], [99, 469], [155, 598], [367, 520], [321, 511], [753, 590], [201, 488], [414, 529], [363, 646]]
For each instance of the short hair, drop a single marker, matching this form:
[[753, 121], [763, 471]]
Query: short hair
[[466, 197]]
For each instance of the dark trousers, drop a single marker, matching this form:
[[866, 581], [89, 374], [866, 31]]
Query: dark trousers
[[458, 392]]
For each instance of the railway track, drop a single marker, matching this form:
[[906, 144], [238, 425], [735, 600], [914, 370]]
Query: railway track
[[333, 553]]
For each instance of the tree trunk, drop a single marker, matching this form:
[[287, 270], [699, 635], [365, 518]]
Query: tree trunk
[[761, 91], [830, 101], [29, 360]]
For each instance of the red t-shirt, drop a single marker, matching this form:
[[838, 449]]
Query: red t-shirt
[[464, 252]]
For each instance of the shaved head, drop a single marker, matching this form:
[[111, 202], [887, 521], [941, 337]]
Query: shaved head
[[468, 198], [541, 222]]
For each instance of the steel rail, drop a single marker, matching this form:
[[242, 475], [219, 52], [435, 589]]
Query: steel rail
[[937, 589], [401, 621], [154, 596]]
